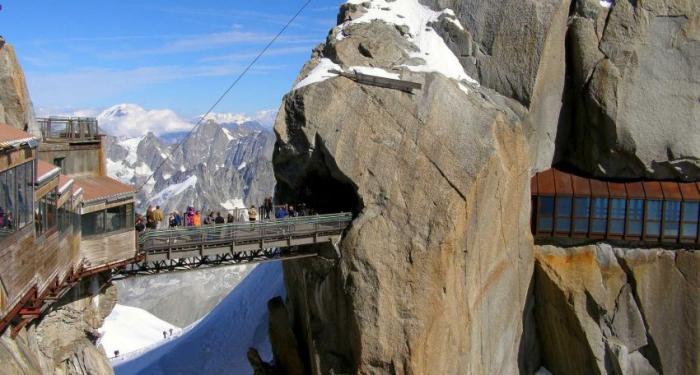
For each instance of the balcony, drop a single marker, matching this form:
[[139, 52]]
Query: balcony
[[69, 129]]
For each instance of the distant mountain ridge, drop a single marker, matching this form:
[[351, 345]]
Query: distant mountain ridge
[[218, 167]]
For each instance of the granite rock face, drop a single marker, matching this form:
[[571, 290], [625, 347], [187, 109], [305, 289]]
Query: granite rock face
[[435, 275], [438, 182], [64, 340], [606, 310], [16, 107], [635, 70]]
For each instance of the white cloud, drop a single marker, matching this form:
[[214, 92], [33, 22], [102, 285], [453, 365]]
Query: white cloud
[[266, 117], [131, 120]]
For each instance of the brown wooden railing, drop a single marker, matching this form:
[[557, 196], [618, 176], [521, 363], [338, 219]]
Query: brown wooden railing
[[69, 129]]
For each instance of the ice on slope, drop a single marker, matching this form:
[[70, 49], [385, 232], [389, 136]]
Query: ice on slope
[[131, 145], [173, 190], [218, 343], [372, 71], [417, 17], [319, 73], [129, 329], [233, 204]]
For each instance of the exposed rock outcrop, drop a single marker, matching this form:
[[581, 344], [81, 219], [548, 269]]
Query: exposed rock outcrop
[[438, 181], [63, 341], [15, 104], [605, 310], [435, 273], [636, 88]]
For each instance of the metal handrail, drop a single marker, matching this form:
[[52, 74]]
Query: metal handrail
[[227, 232]]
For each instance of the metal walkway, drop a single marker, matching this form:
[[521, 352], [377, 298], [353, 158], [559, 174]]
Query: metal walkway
[[211, 245]]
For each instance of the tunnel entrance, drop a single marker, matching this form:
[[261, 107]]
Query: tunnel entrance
[[322, 187]]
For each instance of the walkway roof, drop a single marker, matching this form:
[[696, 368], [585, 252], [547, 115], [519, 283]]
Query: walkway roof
[[45, 172]]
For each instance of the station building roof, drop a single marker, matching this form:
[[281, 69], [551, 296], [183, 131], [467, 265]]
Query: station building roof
[[64, 183], [11, 137], [100, 188], [46, 172]]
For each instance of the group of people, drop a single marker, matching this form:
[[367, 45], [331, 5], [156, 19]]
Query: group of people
[[267, 211], [155, 218]]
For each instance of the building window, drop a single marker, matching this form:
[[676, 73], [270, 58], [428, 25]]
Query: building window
[[672, 217], [582, 213], [16, 198], [617, 216], [635, 217], [652, 223], [599, 220], [545, 214], [64, 217], [46, 214], [110, 220], [563, 214], [689, 224], [59, 162]]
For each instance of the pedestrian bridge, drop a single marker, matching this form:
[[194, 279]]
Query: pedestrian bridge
[[211, 245]]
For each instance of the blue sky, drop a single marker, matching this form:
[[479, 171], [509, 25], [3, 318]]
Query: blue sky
[[161, 54]]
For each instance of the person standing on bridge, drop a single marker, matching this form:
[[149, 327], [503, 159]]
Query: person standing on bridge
[[178, 218], [219, 219], [150, 220], [252, 213], [230, 218], [197, 219], [158, 217]]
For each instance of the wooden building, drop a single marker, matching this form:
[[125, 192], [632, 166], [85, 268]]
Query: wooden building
[[74, 144], [61, 219], [107, 223]]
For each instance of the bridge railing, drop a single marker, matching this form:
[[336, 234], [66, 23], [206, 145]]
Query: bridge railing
[[243, 232]]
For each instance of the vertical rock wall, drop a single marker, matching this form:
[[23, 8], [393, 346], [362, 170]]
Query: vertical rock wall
[[435, 274], [64, 340], [435, 268], [607, 310], [16, 107]]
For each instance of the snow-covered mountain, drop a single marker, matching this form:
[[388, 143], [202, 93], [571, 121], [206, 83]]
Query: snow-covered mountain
[[218, 343], [218, 167]]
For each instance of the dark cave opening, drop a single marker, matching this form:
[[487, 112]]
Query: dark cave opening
[[322, 187]]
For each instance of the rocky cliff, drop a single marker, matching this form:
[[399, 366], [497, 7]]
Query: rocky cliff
[[602, 309], [64, 341], [16, 107], [435, 274]]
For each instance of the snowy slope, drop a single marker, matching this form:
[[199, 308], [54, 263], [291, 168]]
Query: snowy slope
[[218, 343], [431, 53], [129, 329], [162, 294]]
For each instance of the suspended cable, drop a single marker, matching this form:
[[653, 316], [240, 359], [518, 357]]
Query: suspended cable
[[221, 97]]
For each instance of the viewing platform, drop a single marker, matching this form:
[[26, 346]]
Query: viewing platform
[[69, 129]]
